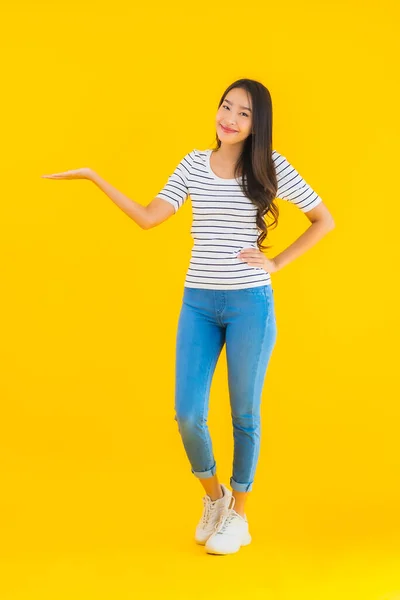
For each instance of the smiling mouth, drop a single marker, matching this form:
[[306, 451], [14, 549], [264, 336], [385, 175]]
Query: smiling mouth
[[228, 130]]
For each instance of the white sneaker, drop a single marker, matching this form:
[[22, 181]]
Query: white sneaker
[[231, 532], [212, 511]]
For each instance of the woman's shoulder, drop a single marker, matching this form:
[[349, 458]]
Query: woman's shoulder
[[198, 156], [276, 155], [197, 153]]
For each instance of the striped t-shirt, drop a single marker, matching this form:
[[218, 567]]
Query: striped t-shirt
[[224, 219]]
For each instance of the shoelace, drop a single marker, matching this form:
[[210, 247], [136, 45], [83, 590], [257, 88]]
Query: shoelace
[[225, 520], [208, 504], [207, 509], [227, 516]]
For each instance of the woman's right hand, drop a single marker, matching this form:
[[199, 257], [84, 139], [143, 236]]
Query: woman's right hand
[[84, 173]]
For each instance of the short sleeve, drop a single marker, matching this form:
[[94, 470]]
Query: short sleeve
[[292, 186], [176, 189]]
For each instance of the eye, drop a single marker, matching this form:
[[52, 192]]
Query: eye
[[242, 113]]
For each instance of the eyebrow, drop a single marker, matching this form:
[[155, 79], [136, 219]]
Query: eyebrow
[[231, 103]]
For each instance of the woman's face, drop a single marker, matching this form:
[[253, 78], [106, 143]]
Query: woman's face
[[234, 114]]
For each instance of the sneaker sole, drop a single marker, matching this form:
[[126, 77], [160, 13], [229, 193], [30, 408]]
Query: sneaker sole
[[200, 542], [246, 542]]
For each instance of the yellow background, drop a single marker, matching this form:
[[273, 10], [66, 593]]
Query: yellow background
[[97, 497]]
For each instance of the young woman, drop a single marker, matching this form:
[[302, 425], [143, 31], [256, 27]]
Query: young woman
[[228, 296]]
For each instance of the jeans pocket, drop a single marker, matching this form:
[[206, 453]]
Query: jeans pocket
[[255, 291], [269, 291]]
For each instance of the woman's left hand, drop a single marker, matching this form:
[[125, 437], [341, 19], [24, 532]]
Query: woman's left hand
[[255, 258]]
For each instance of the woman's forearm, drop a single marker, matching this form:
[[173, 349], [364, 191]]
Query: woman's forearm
[[311, 236], [133, 209]]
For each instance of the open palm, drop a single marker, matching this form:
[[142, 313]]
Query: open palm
[[73, 174]]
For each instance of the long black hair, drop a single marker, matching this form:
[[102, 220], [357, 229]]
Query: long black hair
[[255, 163]]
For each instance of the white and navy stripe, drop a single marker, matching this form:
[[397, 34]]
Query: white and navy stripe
[[224, 219]]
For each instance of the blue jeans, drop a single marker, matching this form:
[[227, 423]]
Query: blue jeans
[[245, 320]]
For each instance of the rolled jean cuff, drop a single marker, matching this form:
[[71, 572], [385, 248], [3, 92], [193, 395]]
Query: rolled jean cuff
[[205, 474], [241, 487]]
